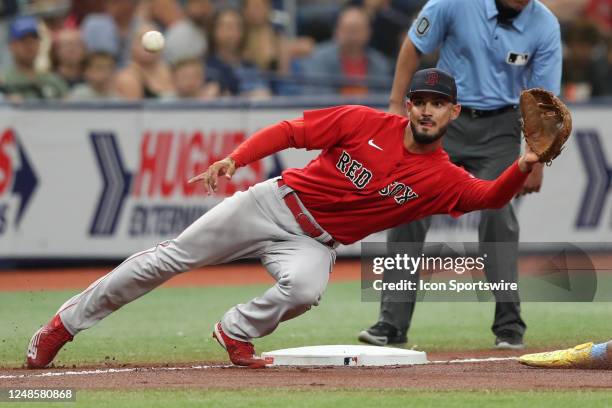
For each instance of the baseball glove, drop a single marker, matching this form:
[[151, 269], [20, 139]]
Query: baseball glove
[[547, 123]]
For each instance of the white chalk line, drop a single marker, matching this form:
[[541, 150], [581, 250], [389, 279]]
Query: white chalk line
[[205, 367], [111, 371], [473, 360]]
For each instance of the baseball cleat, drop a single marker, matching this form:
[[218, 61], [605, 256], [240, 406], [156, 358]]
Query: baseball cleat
[[241, 353], [577, 357], [46, 342], [507, 340], [382, 334]]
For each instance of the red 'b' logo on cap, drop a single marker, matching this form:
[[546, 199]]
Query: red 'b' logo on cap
[[431, 79]]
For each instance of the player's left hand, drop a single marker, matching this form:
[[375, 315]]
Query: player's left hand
[[225, 167], [533, 184]]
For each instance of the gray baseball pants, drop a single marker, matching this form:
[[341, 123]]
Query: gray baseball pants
[[485, 147], [254, 223]]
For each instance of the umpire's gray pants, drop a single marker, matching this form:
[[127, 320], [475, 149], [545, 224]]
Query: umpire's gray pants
[[485, 147], [255, 223]]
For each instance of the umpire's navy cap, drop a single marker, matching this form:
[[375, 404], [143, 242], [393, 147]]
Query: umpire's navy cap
[[434, 80]]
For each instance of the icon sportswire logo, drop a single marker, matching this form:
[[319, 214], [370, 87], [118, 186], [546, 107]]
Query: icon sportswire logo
[[374, 145]]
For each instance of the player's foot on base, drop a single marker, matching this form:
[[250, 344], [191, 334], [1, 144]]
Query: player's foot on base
[[382, 334], [508, 340], [577, 357], [46, 342], [241, 353]]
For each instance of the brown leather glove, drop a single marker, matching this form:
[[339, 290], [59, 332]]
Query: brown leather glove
[[547, 123]]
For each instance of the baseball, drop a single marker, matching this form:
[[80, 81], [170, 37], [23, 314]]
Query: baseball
[[153, 41]]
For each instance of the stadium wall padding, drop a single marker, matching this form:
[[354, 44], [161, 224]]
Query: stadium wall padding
[[105, 181]]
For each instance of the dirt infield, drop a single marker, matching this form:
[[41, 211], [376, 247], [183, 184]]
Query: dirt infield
[[484, 375], [225, 275]]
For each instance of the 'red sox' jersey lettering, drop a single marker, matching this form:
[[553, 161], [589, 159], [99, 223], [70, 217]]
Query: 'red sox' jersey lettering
[[400, 192], [350, 168]]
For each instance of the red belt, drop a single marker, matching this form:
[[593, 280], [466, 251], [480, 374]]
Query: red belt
[[291, 200]]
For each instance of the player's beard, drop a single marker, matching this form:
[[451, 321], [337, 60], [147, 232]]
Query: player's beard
[[424, 138]]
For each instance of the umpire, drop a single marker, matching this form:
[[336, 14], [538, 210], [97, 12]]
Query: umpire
[[494, 49]]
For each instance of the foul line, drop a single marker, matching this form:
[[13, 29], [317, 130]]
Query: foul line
[[473, 360], [112, 371], [206, 367]]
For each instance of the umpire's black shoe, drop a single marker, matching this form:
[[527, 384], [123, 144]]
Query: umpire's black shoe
[[509, 340], [382, 334]]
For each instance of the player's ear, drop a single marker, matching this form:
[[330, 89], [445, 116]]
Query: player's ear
[[456, 110]]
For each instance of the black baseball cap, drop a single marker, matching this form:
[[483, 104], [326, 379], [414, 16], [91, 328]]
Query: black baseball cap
[[434, 80]]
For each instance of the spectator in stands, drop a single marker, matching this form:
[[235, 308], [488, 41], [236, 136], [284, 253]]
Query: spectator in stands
[[165, 13], [584, 63], [566, 10], [225, 64], [51, 15], [8, 9], [81, 9], [266, 45], [201, 13], [99, 70], [67, 55], [188, 76], [22, 81], [124, 15], [347, 65], [117, 24], [146, 75], [388, 26], [600, 11], [315, 18], [263, 42], [187, 38], [100, 34]]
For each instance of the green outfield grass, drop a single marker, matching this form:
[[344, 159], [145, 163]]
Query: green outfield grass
[[174, 325], [266, 398]]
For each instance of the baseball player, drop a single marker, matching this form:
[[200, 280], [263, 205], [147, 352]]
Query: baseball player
[[376, 170], [585, 356], [494, 49]]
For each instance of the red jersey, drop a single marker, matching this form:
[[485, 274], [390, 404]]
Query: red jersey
[[366, 181]]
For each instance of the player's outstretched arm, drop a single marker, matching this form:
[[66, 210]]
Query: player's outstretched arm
[[476, 194], [262, 143]]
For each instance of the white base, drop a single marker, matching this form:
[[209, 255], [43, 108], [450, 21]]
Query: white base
[[350, 355]]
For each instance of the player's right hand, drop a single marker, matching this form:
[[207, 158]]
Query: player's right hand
[[225, 167]]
